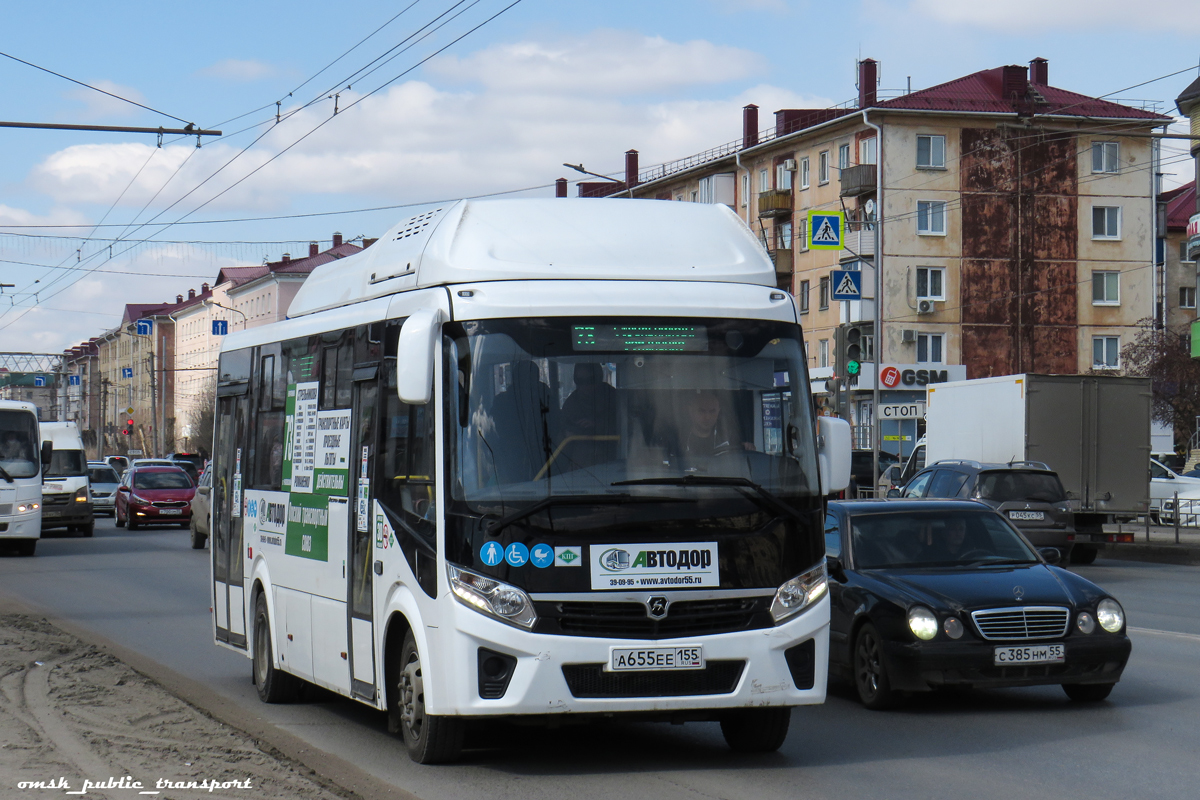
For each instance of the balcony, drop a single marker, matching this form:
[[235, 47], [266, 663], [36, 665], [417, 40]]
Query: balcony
[[858, 244], [858, 180], [775, 203], [783, 269]]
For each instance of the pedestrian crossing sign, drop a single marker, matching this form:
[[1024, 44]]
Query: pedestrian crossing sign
[[825, 229], [847, 284]]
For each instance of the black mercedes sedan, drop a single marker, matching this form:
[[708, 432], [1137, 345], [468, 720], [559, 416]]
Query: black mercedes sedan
[[929, 593]]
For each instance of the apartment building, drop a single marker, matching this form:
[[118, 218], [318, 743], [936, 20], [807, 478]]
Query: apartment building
[[1177, 207], [1016, 222]]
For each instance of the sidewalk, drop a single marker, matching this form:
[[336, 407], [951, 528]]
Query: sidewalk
[[1160, 548]]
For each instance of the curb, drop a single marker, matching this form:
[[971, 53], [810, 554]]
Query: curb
[[1183, 554]]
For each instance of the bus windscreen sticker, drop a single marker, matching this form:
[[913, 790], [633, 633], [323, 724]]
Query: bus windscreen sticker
[[669, 565]]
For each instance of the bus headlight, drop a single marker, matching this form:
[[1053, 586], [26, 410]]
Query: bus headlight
[[27, 508], [799, 593], [489, 596]]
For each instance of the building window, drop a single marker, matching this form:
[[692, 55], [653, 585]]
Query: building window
[[745, 189], [1187, 296], [783, 236], [707, 187], [823, 299], [783, 177], [679, 198], [1106, 222], [867, 152], [764, 180], [804, 173], [1183, 253], [1106, 352], [1106, 288], [1106, 157], [931, 152], [930, 348], [844, 156], [823, 167], [802, 293], [695, 197], [823, 353], [931, 217], [931, 283]]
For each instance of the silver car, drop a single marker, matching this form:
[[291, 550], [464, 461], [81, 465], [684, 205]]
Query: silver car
[[102, 484]]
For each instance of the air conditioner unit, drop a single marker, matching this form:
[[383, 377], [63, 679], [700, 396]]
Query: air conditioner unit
[[925, 307], [790, 164], [909, 335]]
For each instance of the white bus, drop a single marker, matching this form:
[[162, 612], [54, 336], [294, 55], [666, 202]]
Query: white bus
[[22, 457], [540, 458]]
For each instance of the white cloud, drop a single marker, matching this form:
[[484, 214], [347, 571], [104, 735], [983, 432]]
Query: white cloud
[[239, 70], [98, 106], [602, 63], [1022, 15]]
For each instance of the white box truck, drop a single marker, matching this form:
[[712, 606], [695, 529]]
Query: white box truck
[[1093, 430]]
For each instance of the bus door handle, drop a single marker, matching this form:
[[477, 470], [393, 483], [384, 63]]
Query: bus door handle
[[378, 567]]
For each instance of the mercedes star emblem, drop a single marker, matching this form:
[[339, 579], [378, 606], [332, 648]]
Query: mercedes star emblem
[[1019, 592]]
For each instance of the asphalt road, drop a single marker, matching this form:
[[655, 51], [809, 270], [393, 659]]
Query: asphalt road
[[147, 592]]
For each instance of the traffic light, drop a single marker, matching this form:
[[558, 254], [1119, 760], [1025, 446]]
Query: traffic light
[[128, 429], [854, 344]]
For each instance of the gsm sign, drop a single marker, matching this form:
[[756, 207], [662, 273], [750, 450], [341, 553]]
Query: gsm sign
[[889, 377]]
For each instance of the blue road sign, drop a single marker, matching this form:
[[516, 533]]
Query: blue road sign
[[126, 372], [145, 327], [825, 229], [39, 380], [75, 380], [220, 327], [847, 284]]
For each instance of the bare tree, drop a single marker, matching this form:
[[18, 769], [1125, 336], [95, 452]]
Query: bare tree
[[1164, 356], [203, 420]]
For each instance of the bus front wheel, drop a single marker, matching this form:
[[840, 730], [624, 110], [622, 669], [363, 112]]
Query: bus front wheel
[[430, 739], [756, 730], [273, 685]]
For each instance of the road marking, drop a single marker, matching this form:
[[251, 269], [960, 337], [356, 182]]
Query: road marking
[[1175, 634]]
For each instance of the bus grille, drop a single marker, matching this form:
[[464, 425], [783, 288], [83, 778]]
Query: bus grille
[[1034, 622], [629, 620], [590, 680], [5, 509]]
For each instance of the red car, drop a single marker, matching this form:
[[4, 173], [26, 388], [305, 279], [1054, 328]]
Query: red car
[[154, 496]]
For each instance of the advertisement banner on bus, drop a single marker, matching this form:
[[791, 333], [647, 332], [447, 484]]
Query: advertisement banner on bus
[[655, 566]]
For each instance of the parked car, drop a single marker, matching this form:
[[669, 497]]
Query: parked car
[[201, 503], [928, 593], [1029, 494], [102, 483], [154, 495], [1164, 483]]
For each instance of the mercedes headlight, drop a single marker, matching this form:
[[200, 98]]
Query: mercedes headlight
[[799, 593], [1110, 615], [922, 622], [489, 596]]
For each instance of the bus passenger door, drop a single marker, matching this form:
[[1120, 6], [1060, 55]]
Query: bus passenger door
[[361, 602], [230, 458]]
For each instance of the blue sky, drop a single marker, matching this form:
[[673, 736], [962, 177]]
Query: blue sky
[[548, 81]]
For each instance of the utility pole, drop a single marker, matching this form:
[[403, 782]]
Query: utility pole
[[153, 402]]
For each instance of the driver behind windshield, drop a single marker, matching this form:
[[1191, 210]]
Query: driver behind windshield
[[701, 430], [13, 448]]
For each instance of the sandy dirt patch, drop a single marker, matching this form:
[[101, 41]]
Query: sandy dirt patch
[[70, 713]]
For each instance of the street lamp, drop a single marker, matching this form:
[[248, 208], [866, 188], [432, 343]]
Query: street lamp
[[211, 302]]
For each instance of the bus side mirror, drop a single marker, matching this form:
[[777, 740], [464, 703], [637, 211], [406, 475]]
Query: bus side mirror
[[833, 454], [416, 350], [47, 453]]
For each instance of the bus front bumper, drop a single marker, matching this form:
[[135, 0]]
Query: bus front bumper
[[21, 526], [552, 674]]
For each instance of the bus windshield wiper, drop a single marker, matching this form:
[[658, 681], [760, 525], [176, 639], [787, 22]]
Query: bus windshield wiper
[[576, 500], [4, 474], [765, 497]]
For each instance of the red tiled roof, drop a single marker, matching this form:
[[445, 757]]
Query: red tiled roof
[[985, 91], [309, 263], [1181, 205], [239, 275]]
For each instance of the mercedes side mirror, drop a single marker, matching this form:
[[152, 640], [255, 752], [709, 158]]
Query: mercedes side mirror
[[893, 494], [833, 565], [1052, 555]]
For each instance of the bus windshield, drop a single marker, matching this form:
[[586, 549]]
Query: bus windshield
[[617, 408], [19, 444]]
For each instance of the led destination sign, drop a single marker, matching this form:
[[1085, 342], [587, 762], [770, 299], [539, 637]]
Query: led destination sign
[[640, 338]]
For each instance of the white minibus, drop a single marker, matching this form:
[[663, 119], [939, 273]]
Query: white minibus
[[21, 463], [547, 459]]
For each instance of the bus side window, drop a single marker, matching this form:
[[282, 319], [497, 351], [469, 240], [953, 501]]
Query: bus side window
[[269, 427]]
